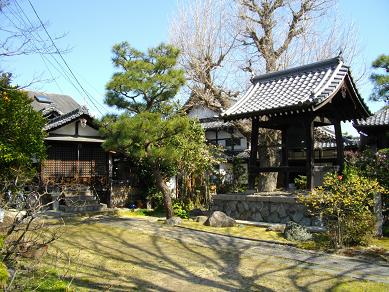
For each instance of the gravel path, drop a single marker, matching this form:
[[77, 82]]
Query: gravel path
[[277, 253]]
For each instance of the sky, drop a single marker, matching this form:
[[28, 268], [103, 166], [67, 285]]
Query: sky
[[91, 27]]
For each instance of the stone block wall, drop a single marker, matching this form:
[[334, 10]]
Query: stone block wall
[[263, 208]]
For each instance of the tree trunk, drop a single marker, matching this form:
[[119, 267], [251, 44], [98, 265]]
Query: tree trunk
[[268, 157], [378, 214], [268, 154], [162, 186]]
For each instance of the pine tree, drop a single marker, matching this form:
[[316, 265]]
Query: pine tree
[[381, 81], [151, 132]]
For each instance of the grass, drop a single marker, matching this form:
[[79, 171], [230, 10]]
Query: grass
[[96, 257], [381, 242], [40, 279], [139, 212], [320, 241]]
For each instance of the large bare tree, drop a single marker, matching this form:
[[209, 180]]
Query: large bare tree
[[220, 38], [205, 33]]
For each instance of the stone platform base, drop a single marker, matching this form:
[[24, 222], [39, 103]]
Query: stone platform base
[[277, 207]]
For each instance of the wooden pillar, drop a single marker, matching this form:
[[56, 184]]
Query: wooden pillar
[[309, 142], [339, 146], [284, 157], [253, 153]]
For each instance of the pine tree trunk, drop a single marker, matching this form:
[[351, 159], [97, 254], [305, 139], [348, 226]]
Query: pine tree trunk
[[162, 186]]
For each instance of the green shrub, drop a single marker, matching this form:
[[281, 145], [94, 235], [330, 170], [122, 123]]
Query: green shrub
[[356, 228], [300, 182], [180, 210], [3, 275], [1, 240], [41, 280], [346, 206], [376, 166], [156, 199]]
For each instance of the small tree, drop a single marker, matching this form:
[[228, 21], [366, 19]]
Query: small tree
[[381, 81], [374, 165], [21, 144], [346, 206], [163, 145], [22, 135], [151, 132]]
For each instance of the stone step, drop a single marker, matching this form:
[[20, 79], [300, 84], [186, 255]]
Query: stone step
[[71, 203], [80, 198], [79, 209], [69, 193]]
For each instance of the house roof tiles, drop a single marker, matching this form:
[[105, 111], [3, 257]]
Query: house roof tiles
[[66, 118], [62, 103], [380, 118], [290, 89], [214, 123]]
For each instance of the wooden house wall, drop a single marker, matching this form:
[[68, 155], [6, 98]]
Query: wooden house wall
[[74, 160]]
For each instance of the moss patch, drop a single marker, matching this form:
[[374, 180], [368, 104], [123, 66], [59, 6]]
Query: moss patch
[[41, 279], [138, 212], [381, 242], [98, 257]]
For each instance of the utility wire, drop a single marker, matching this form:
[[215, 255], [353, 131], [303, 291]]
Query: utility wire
[[35, 47], [60, 69], [62, 58]]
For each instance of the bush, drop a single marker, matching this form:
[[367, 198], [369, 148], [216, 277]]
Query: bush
[[294, 231], [180, 210], [300, 182], [3, 275], [376, 166], [346, 206]]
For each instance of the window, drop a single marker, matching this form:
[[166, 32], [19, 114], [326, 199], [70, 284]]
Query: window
[[42, 99], [232, 142]]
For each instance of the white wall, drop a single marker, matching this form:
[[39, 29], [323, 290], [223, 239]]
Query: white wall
[[69, 129], [87, 131], [201, 112]]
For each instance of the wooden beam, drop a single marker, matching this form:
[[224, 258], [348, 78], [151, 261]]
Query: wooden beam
[[322, 120], [253, 153], [339, 145], [281, 168], [284, 156], [310, 162]]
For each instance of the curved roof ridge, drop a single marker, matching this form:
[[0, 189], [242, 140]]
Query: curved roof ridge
[[290, 71], [66, 118], [307, 87]]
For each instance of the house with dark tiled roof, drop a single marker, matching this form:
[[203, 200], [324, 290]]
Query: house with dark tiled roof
[[74, 152], [374, 130]]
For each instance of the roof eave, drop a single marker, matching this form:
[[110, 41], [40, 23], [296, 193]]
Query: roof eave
[[306, 107]]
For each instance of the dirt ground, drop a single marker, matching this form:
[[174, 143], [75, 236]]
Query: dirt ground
[[108, 254]]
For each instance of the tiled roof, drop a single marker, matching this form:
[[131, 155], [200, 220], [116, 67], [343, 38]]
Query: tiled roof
[[50, 109], [62, 103], [66, 118], [380, 118], [214, 123], [296, 88]]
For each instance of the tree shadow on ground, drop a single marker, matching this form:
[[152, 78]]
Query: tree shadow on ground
[[122, 255]]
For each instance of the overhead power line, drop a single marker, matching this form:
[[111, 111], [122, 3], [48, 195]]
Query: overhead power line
[[91, 99]]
